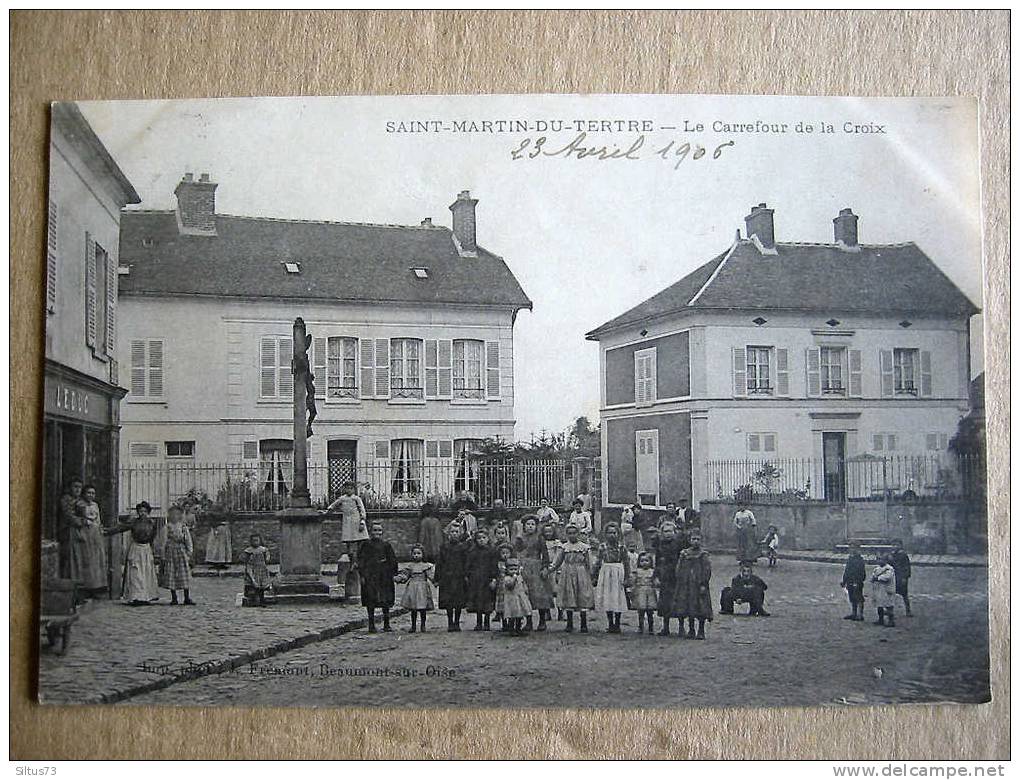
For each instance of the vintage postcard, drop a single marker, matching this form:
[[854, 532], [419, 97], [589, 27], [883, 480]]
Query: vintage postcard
[[514, 401]]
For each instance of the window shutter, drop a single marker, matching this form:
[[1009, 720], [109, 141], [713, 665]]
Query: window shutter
[[432, 448], [890, 442], [768, 442], [138, 367], [885, 361], [90, 291], [739, 371], [143, 449], [877, 441], [51, 259], [382, 368], [267, 362], [492, 369], [431, 371], [814, 371], [640, 365], [445, 370], [250, 450], [926, 381], [943, 441], [319, 365], [156, 368], [856, 386], [753, 442], [284, 357], [368, 368], [782, 372], [111, 305], [382, 450], [932, 441], [445, 448]]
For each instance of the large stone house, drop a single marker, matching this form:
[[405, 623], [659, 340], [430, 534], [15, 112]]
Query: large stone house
[[81, 395], [412, 346], [783, 351]]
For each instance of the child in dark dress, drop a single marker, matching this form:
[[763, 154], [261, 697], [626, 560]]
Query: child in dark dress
[[482, 571], [693, 578], [854, 576], [451, 575], [667, 552], [377, 565]]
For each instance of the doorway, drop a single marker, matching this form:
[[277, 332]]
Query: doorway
[[341, 456], [834, 466]]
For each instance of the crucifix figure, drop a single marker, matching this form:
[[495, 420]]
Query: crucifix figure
[[304, 402], [303, 374]]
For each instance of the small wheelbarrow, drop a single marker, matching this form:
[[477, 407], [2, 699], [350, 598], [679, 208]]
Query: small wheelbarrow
[[58, 613]]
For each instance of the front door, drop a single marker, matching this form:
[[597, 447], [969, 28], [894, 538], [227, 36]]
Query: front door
[[646, 446], [834, 458], [341, 455]]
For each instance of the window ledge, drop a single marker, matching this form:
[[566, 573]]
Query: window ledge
[[340, 401], [406, 401], [469, 401], [146, 400], [274, 402]]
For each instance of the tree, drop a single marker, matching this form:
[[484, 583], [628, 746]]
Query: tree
[[584, 439]]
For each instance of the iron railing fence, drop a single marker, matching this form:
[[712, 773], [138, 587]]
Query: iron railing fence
[[265, 486], [935, 476]]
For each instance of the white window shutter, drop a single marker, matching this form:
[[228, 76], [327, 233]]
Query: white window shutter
[[739, 371], [856, 386], [51, 259], [926, 378], [368, 368], [890, 442], [885, 362], [877, 441], [768, 442], [753, 442], [267, 364], [782, 372], [651, 377], [432, 448], [445, 448], [639, 378], [138, 367], [431, 371], [156, 368], [813, 361], [382, 368], [284, 358], [90, 291], [319, 365], [111, 305], [492, 389], [445, 368]]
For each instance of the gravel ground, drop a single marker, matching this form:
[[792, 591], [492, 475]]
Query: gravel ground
[[805, 654]]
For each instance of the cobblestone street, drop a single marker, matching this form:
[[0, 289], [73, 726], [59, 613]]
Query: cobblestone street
[[805, 654]]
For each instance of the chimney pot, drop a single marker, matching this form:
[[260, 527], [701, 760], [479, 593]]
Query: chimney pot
[[464, 220], [427, 222], [760, 223], [844, 228], [196, 205]]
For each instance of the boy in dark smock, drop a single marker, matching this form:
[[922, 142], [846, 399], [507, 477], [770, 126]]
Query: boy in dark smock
[[482, 571], [377, 565], [667, 551]]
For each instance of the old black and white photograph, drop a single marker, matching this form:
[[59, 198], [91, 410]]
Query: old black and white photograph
[[612, 401]]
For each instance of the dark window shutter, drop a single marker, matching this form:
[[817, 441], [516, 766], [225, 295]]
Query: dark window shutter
[[319, 365], [492, 388], [155, 365], [284, 357], [90, 291], [267, 363], [51, 259], [138, 368]]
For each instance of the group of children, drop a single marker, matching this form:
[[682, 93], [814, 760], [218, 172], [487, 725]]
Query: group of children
[[497, 574], [889, 578]]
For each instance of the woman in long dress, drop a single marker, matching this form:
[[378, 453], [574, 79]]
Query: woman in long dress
[[139, 586], [88, 545], [745, 523], [67, 523]]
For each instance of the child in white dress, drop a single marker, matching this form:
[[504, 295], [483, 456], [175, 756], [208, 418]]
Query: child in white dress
[[418, 576]]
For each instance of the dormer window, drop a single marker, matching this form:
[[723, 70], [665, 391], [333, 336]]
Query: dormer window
[[421, 273], [292, 268]]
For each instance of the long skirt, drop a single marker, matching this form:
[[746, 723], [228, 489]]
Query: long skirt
[[417, 595], [88, 557], [139, 574], [516, 603], [575, 587], [610, 595], [644, 598], [540, 589], [176, 571]]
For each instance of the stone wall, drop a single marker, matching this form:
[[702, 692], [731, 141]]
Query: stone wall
[[934, 527]]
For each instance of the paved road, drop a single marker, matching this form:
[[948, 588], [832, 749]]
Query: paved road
[[805, 654]]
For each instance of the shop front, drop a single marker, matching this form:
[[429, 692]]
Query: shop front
[[81, 426]]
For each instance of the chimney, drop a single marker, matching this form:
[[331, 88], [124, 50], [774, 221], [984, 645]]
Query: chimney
[[845, 229], [196, 205], [759, 223], [427, 222], [464, 221]]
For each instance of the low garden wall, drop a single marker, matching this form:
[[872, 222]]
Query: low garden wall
[[930, 527]]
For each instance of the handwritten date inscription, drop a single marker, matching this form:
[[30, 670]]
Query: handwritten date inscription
[[579, 149]]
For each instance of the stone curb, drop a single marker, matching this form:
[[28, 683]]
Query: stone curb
[[841, 559], [228, 664]]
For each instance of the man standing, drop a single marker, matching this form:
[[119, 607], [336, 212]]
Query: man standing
[[901, 565], [745, 588]]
